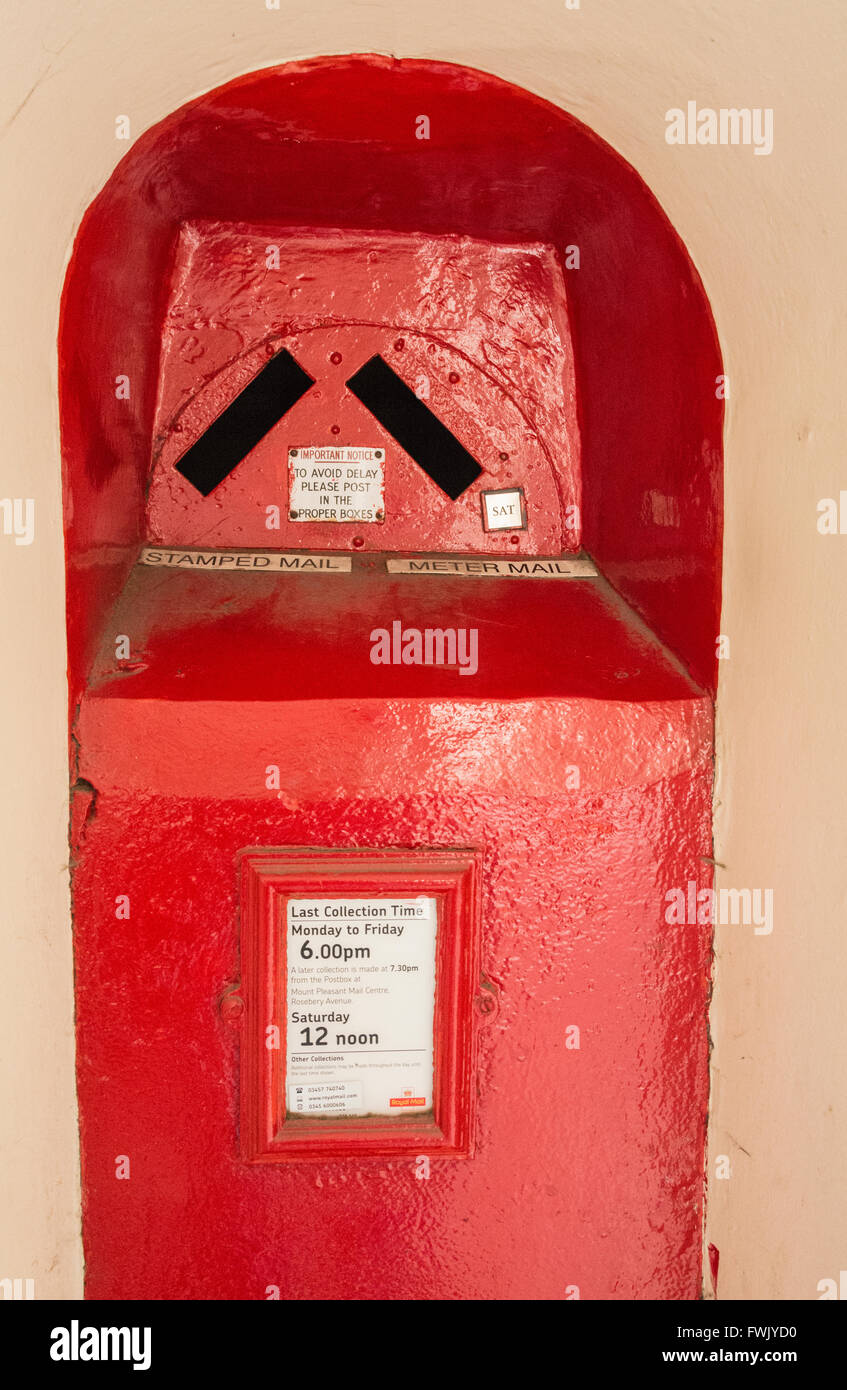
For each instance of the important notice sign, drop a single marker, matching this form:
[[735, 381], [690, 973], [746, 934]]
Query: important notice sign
[[336, 482], [360, 1005]]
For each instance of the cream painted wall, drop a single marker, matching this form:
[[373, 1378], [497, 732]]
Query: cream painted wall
[[767, 234]]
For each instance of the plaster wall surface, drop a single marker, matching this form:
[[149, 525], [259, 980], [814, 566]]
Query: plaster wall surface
[[766, 234]]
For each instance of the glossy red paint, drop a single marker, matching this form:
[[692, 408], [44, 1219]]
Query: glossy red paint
[[332, 143], [588, 1163], [244, 636], [588, 1160]]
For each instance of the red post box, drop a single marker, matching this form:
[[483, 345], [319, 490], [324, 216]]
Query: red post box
[[391, 701]]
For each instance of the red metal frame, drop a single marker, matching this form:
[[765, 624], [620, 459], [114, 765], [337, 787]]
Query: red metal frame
[[269, 877]]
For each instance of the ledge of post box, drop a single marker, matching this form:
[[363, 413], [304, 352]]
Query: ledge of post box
[[329, 750], [256, 636]]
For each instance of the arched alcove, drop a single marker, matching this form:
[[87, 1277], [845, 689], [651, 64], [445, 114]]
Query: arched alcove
[[336, 143]]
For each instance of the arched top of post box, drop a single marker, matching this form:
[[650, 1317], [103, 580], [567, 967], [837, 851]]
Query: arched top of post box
[[405, 149]]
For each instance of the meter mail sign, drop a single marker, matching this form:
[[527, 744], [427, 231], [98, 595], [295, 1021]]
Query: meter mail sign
[[360, 1005]]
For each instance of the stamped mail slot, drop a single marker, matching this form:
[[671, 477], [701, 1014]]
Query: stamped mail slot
[[360, 990]]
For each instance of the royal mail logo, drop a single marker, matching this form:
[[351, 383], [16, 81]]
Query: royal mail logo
[[408, 1100]]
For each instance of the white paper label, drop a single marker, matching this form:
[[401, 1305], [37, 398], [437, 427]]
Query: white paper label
[[341, 482], [360, 1005], [533, 567]]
